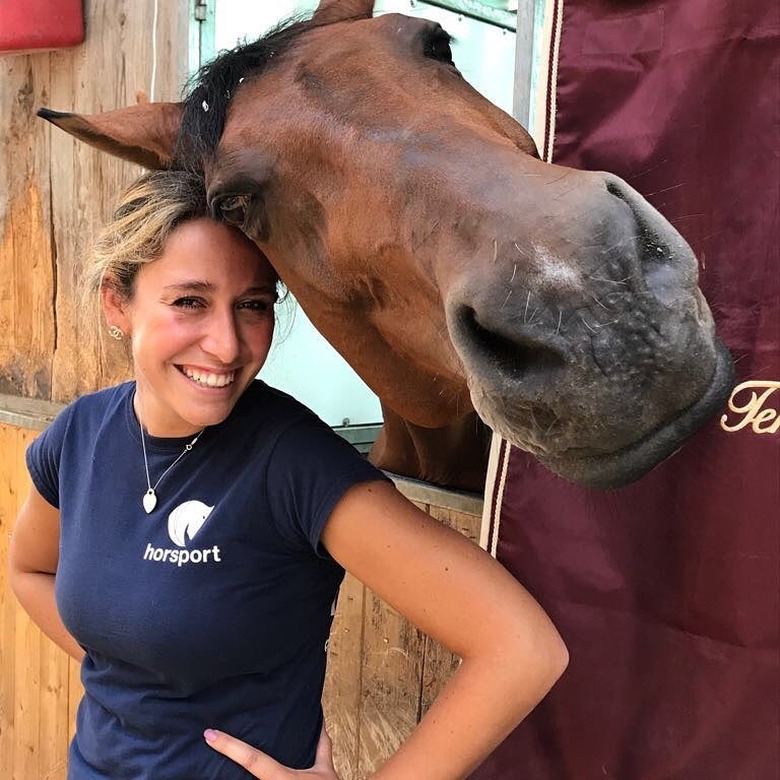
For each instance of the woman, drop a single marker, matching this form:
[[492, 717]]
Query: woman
[[187, 532]]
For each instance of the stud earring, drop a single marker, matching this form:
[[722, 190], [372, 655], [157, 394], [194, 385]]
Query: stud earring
[[115, 332]]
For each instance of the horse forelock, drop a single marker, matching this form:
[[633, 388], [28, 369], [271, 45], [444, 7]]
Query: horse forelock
[[208, 92]]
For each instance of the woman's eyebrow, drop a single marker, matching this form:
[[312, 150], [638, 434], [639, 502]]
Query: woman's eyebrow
[[200, 286], [190, 286]]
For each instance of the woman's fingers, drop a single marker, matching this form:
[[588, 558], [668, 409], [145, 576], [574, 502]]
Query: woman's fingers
[[262, 766], [257, 763]]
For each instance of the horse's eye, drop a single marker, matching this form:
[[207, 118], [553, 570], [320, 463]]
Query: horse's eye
[[437, 47], [232, 209]]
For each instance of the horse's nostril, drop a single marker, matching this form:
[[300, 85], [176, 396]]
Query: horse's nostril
[[519, 353], [613, 189]]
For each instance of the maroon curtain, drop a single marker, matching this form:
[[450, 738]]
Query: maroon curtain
[[666, 591]]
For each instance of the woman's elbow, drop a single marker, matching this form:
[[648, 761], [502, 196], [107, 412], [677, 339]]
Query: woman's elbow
[[558, 657], [540, 652]]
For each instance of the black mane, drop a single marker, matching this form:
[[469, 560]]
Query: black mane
[[208, 95]]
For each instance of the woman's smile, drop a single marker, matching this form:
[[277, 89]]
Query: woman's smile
[[207, 378]]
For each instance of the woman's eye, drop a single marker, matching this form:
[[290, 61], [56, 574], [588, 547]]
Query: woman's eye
[[258, 304], [437, 47], [187, 303]]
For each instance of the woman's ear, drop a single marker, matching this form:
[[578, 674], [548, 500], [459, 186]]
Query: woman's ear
[[115, 307]]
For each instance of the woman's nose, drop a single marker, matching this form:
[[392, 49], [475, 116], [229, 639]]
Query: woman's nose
[[222, 338]]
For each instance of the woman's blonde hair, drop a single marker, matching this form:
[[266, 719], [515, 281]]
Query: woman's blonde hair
[[146, 215]]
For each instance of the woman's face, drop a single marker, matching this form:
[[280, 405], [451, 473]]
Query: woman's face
[[200, 325]]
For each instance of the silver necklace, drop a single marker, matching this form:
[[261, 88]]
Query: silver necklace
[[150, 497]]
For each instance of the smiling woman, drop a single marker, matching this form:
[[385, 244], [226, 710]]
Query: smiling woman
[[198, 525]]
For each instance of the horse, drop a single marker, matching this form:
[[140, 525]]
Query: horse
[[471, 285]]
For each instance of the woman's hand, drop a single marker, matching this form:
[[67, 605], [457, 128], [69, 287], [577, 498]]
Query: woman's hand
[[260, 765]]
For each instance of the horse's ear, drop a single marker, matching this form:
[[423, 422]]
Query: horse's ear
[[330, 11], [144, 134]]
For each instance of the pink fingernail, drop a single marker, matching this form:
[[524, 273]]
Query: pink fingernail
[[209, 735]]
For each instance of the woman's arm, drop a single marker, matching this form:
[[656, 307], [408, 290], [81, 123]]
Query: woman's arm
[[456, 593], [32, 563], [459, 595]]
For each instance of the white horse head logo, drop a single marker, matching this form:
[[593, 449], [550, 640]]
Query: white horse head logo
[[186, 520]]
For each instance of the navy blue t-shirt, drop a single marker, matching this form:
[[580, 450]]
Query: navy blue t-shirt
[[215, 609]]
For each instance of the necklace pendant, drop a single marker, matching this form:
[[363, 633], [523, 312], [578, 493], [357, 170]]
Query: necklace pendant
[[150, 500]]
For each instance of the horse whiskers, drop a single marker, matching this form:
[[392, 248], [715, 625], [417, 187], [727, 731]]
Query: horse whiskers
[[666, 189], [610, 281], [604, 324], [508, 295], [526, 320], [600, 303]]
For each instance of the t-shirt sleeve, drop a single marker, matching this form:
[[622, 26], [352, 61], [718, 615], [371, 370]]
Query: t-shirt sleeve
[[43, 457], [310, 469]]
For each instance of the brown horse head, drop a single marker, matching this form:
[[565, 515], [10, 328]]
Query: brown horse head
[[453, 269]]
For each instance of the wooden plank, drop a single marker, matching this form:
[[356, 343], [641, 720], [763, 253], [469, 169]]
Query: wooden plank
[[35, 689], [75, 692], [9, 447], [27, 704], [390, 691], [465, 523], [29, 413], [341, 698], [26, 261], [53, 729]]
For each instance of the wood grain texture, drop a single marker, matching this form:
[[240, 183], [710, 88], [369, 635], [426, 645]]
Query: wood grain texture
[[26, 258], [55, 193], [342, 698]]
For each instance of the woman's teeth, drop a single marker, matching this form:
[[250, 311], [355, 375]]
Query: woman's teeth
[[208, 379]]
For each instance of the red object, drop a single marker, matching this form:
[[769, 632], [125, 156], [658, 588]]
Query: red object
[[35, 25]]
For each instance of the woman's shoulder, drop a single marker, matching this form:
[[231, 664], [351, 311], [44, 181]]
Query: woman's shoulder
[[75, 427], [92, 411], [261, 401], [267, 416], [99, 402]]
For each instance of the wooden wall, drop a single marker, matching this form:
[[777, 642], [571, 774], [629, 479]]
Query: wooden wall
[[54, 192], [39, 684], [382, 673]]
